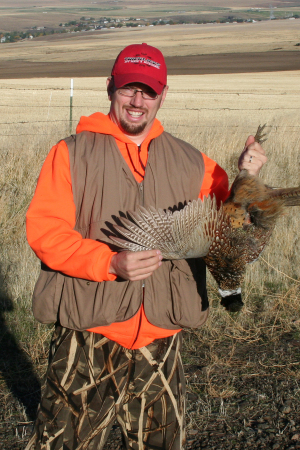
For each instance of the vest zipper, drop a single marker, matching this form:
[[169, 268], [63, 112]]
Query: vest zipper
[[141, 188]]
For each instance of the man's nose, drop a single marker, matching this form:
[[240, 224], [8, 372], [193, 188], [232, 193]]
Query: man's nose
[[137, 100]]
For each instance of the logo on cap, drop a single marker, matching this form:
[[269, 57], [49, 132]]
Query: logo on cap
[[140, 59]]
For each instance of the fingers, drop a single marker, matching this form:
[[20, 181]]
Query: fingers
[[250, 140], [253, 157], [135, 266]]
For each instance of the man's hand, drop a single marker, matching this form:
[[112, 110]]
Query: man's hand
[[253, 157], [135, 266]]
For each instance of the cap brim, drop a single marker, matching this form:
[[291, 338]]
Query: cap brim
[[121, 80]]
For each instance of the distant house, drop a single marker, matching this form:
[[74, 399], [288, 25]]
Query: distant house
[[3, 39]]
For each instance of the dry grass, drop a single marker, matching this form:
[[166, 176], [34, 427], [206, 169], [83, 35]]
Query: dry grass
[[214, 113]]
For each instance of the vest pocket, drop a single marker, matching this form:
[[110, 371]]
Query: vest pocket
[[47, 294], [88, 304]]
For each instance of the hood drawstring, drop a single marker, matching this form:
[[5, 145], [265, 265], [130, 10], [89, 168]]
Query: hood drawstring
[[140, 160]]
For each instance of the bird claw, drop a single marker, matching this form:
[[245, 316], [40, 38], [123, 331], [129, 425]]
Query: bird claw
[[259, 136]]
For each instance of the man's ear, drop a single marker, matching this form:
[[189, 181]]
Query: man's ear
[[110, 87], [166, 88]]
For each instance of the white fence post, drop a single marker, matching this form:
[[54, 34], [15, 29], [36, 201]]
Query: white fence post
[[71, 105]]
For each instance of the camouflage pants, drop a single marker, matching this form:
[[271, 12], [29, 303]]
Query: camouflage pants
[[92, 381]]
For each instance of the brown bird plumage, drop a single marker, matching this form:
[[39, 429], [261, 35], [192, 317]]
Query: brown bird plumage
[[253, 209], [227, 238]]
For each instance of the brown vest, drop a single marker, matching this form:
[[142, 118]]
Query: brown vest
[[103, 189]]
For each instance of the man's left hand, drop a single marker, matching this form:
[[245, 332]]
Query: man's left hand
[[253, 157]]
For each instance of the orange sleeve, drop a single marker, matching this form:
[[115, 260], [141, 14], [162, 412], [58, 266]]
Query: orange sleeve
[[215, 181], [50, 222]]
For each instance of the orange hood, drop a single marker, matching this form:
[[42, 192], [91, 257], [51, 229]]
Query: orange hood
[[101, 123]]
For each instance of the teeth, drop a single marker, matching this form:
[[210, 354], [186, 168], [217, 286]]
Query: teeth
[[135, 113]]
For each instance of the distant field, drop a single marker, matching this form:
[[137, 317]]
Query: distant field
[[254, 62], [23, 14], [174, 41], [207, 3], [269, 46]]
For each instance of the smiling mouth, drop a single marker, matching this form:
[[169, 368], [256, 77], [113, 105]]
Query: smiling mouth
[[135, 113]]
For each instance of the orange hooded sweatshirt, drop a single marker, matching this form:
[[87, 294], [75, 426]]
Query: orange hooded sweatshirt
[[51, 220]]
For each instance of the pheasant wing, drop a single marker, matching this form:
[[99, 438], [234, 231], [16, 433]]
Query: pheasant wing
[[145, 229], [187, 233]]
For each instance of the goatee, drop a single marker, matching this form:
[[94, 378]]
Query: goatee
[[132, 128]]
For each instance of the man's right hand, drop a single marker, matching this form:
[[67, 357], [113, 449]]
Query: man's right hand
[[135, 266]]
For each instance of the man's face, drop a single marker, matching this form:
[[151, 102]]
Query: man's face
[[134, 115]]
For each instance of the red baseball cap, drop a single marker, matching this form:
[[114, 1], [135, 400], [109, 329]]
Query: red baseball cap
[[143, 64]]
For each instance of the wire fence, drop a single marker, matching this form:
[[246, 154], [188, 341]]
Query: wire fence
[[168, 108], [194, 91], [85, 99], [289, 128]]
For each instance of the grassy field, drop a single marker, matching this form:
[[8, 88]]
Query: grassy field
[[215, 113]]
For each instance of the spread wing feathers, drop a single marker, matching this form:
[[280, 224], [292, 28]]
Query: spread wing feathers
[[187, 233], [146, 229]]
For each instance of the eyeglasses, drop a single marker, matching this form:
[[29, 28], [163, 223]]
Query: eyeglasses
[[131, 92]]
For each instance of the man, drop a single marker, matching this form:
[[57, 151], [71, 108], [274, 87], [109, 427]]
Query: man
[[115, 352]]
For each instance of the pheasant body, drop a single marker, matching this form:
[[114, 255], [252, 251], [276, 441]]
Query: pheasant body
[[227, 238]]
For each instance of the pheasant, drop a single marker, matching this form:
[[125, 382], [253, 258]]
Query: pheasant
[[227, 238]]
